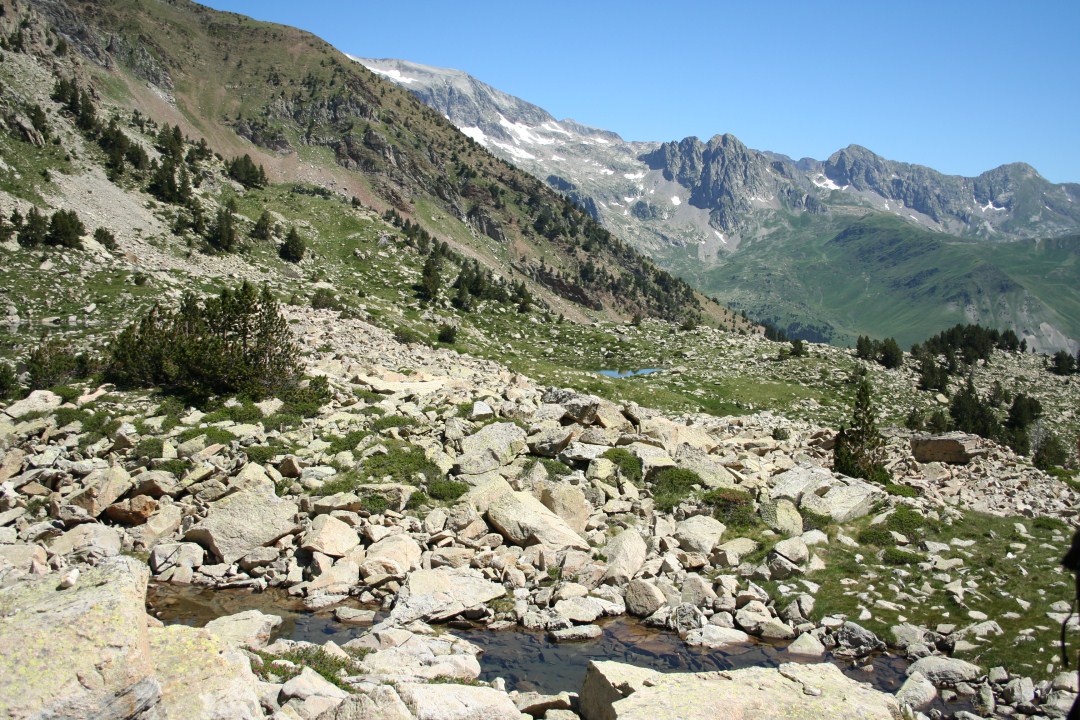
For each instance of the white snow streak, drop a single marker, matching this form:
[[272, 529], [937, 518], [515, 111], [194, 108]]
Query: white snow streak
[[676, 201], [394, 75], [634, 176], [523, 133], [514, 150], [476, 134]]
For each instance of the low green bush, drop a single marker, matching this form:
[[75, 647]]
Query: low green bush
[[391, 421], [402, 463], [628, 464], [734, 508], [906, 521], [814, 520], [672, 485], [876, 535], [896, 556], [447, 489], [898, 490]]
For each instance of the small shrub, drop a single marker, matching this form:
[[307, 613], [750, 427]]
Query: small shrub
[[391, 421], [407, 336], [374, 503], [906, 521], [9, 382], [149, 448], [672, 486], [237, 344], [447, 334], [294, 247], [322, 662], [53, 362], [898, 490], [814, 520], [896, 556], [261, 454], [347, 442], [781, 433], [734, 508], [876, 535], [402, 463], [325, 299], [417, 500], [447, 489], [105, 238], [628, 464]]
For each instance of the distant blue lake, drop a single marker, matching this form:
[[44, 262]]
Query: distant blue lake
[[627, 373]]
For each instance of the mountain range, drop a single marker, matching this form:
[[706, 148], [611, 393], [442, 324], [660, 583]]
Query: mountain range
[[765, 233]]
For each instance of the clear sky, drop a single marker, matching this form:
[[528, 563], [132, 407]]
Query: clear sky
[[959, 85]]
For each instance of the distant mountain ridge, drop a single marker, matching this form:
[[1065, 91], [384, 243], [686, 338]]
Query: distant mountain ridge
[[694, 205]]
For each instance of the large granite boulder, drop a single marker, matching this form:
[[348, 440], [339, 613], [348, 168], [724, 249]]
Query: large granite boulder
[[444, 701], [523, 520], [626, 554], [442, 593], [81, 652], [245, 520], [955, 448]]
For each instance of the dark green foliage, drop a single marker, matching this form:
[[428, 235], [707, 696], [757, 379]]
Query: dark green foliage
[[9, 382], [915, 420], [237, 343], [391, 421], [52, 362], [896, 556], [65, 229], [322, 662], [222, 234], [860, 450], [1063, 363], [261, 454], [627, 463], [325, 299], [447, 334], [971, 414], [798, 348], [1050, 453], [781, 434], [448, 490], [906, 521], [264, 227], [170, 181], [148, 448], [34, 230], [105, 237], [673, 485], [891, 356], [897, 490], [814, 520], [38, 119], [402, 464], [1023, 411], [347, 442], [430, 278], [407, 336], [875, 535], [864, 348], [244, 171], [938, 422], [294, 247], [931, 375], [734, 508]]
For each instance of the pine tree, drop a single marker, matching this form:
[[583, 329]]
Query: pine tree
[[860, 449], [892, 356], [34, 230], [264, 226], [293, 249], [430, 278]]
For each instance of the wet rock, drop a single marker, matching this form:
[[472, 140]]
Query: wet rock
[[716, 638], [577, 633], [944, 671], [806, 645], [250, 628]]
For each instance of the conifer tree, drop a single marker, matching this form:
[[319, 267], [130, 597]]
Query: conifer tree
[[860, 449]]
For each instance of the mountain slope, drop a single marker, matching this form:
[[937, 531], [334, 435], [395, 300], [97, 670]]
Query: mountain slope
[[308, 113], [696, 207]]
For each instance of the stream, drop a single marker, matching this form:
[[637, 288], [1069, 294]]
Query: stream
[[527, 660]]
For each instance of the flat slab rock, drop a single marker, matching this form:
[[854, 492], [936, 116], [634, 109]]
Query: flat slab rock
[[442, 593], [792, 691]]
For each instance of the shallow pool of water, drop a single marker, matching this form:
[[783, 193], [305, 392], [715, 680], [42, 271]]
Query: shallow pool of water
[[527, 660], [627, 373]]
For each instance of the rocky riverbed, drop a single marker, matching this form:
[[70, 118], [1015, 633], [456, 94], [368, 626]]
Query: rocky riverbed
[[498, 501]]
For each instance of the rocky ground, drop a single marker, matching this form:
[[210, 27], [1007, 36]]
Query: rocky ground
[[442, 487]]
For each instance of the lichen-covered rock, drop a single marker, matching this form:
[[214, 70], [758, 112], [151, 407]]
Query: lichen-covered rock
[[82, 652], [523, 520]]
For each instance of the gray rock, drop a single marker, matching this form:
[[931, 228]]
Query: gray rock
[[169, 555], [36, 402], [944, 671], [523, 520], [102, 489], [855, 640], [782, 516], [443, 593], [329, 536], [643, 598], [457, 702], [917, 692], [626, 554], [577, 633], [716, 638], [955, 448], [699, 533], [807, 646], [88, 541], [250, 628], [238, 523]]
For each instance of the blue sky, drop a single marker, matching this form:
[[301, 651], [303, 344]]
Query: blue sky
[[958, 85]]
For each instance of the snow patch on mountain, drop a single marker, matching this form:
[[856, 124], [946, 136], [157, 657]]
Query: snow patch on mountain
[[476, 134], [392, 74]]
